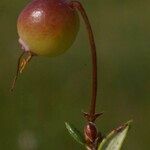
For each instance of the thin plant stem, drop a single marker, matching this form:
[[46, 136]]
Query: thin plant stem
[[91, 116]]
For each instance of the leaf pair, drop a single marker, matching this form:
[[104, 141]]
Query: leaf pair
[[113, 141]]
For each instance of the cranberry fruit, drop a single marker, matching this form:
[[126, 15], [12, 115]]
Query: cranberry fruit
[[47, 27]]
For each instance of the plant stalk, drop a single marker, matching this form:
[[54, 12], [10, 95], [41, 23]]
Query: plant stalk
[[91, 116]]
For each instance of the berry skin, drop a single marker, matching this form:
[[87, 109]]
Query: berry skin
[[47, 27]]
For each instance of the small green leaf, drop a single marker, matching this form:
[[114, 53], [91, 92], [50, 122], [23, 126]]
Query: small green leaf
[[75, 133], [115, 139]]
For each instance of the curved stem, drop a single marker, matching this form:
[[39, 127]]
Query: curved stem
[[91, 116]]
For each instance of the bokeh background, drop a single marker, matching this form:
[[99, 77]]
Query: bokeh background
[[54, 90]]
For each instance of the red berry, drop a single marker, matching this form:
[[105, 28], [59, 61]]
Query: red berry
[[47, 27]]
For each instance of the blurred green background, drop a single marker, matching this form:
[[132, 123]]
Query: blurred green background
[[54, 90]]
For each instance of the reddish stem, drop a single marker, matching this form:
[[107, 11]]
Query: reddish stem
[[91, 116]]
